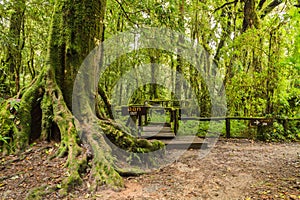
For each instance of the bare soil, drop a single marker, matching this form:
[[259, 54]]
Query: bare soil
[[234, 169]]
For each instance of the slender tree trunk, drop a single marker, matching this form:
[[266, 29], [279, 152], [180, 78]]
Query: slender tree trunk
[[14, 51], [250, 16], [179, 66], [153, 86]]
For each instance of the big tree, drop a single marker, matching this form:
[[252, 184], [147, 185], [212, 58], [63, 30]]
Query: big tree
[[44, 110]]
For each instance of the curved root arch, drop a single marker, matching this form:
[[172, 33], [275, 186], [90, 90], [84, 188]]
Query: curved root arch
[[92, 151]]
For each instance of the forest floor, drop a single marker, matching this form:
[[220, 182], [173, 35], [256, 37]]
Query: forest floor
[[234, 169]]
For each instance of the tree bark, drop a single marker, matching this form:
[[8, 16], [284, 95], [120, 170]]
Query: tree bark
[[153, 86], [14, 51], [45, 108], [250, 16], [179, 64]]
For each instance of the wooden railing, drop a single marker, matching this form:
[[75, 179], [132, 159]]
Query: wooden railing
[[254, 121], [137, 111]]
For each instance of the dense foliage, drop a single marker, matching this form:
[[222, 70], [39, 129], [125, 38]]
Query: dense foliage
[[255, 43]]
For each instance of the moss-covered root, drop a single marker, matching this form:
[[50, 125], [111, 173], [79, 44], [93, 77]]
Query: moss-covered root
[[40, 192], [138, 150], [124, 140], [70, 143], [102, 172]]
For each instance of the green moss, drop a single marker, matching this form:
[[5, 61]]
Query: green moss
[[157, 145], [39, 192], [71, 182], [47, 117]]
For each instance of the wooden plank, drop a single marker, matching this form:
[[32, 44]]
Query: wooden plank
[[261, 122], [185, 142], [156, 135], [221, 118], [187, 146], [159, 124], [161, 129], [202, 119], [134, 110]]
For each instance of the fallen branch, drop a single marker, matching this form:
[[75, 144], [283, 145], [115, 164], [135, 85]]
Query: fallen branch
[[10, 176]]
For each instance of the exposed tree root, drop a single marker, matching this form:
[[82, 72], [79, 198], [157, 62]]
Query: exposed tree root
[[39, 192], [102, 172], [92, 150]]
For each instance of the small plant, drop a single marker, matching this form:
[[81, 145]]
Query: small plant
[[4, 139], [1, 100], [278, 132], [239, 128], [14, 105]]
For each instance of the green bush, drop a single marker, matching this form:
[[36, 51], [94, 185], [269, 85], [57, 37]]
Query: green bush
[[278, 132]]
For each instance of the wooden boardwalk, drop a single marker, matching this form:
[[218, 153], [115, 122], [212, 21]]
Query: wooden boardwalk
[[185, 142], [164, 133], [157, 131]]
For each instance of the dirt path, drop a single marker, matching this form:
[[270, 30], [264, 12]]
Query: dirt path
[[235, 169]]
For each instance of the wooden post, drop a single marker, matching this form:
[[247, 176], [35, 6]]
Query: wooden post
[[175, 122], [146, 119], [140, 119], [139, 123], [285, 126], [227, 128]]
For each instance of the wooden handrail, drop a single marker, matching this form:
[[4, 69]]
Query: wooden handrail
[[259, 120]]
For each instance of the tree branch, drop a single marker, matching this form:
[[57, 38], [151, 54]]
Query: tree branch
[[125, 13], [226, 4], [105, 99], [270, 7], [261, 3]]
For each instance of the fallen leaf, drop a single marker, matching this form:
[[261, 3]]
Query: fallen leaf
[[15, 177], [2, 184]]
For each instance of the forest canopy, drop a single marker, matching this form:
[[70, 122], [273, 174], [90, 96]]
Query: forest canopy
[[254, 42]]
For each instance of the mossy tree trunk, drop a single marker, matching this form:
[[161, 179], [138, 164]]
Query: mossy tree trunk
[[14, 55], [179, 65], [45, 108]]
